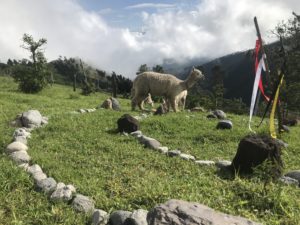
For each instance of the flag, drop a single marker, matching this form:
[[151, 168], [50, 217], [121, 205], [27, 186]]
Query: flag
[[272, 114], [259, 67]]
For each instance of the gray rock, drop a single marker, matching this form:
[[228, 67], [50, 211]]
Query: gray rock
[[47, 185], [118, 217], [187, 157], [219, 114], [205, 162], [83, 203], [295, 174], [115, 104], [37, 173], [21, 139], [81, 110], [15, 147], [224, 124], [138, 217], [20, 157], [62, 193], [163, 149], [178, 212], [149, 142], [223, 164], [34, 169], [289, 181], [44, 120], [21, 132], [39, 176], [100, 217], [71, 187], [173, 153], [32, 119]]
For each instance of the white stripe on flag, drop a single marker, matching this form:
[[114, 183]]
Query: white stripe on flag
[[261, 65]]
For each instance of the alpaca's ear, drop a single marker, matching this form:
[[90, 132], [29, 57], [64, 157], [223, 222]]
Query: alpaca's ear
[[193, 69]]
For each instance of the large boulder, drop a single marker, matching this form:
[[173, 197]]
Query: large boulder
[[178, 212], [32, 119], [253, 150], [224, 124], [115, 104], [219, 114], [128, 124]]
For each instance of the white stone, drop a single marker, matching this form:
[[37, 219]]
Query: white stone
[[100, 217], [15, 147], [21, 132], [163, 149], [21, 139], [83, 203], [32, 119], [187, 157], [20, 157], [205, 162], [38, 176], [34, 169]]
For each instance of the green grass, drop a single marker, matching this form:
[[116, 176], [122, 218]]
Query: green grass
[[118, 173]]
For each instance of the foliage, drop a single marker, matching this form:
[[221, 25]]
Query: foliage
[[290, 33], [143, 68], [158, 69], [32, 75]]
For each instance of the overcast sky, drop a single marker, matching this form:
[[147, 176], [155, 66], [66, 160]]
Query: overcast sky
[[121, 35]]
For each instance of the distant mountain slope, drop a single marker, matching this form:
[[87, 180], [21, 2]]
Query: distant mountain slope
[[238, 74]]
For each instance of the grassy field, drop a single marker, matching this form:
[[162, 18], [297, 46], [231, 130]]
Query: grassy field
[[118, 173]]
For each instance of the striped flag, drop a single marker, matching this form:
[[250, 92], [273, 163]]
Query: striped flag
[[259, 67]]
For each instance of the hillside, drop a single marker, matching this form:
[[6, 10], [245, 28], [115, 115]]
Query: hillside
[[118, 173]]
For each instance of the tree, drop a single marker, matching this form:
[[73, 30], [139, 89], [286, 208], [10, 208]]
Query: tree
[[143, 68], [32, 75], [158, 69], [290, 33], [217, 85]]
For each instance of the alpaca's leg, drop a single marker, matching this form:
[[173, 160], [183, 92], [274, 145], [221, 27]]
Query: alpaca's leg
[[133, 104], [173, 104], [140, 104], [183, 103]]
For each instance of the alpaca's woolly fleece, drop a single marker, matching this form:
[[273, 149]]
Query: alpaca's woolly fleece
[[165, 85]]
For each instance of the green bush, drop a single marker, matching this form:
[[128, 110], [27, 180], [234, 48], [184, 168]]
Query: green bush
[[29, 79]]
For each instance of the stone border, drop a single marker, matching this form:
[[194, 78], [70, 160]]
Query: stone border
[[58, 191]]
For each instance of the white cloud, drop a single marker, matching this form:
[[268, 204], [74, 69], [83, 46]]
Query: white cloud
[[150, 5], [212, 28]]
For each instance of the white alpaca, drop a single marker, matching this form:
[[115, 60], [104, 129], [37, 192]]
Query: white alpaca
[[148, 100], [165, 85], [181, 98]]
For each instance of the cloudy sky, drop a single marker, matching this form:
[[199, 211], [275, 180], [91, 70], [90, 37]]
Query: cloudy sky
[[120, 35]]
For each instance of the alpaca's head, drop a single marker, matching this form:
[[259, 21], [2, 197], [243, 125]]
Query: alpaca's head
[[194, 76]]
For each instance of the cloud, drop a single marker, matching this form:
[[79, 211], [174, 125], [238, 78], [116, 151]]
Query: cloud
[[210, 29], [150, 5]]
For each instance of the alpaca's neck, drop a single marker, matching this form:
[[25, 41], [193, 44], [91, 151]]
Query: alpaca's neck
[[188, 82]]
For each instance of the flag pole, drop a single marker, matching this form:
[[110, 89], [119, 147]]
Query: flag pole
[[262, 48]]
